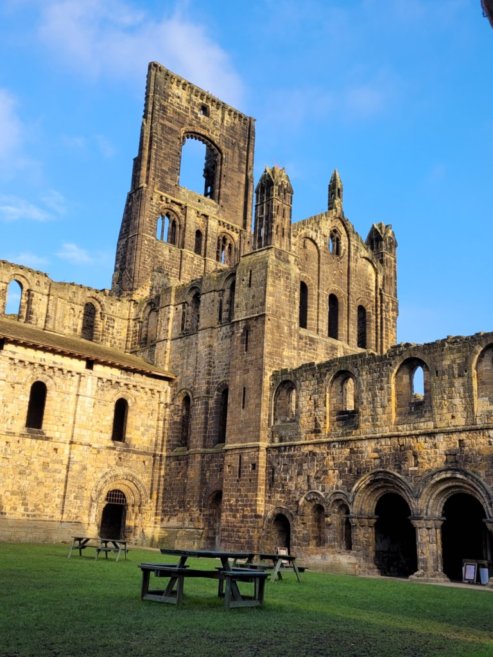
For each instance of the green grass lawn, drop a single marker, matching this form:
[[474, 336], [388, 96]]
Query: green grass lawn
[[51, 606]]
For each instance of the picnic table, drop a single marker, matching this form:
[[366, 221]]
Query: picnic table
[[100, 545], [227, 575], [280, 561]]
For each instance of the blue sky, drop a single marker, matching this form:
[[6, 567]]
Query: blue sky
[[395, 94]]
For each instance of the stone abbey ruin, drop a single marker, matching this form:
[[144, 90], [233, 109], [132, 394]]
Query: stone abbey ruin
[[241, 388]]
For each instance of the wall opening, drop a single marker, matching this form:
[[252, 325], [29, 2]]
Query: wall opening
[[285, 403], [198, 242], [36, 406], [464, 534], [212, 539], [222, 416], [362, 329], [281, 531], [200, 167], [114, 515], [395, 537], [88, 321], [333, 323], [120, 421], [335, 243], [14, 298], [303, 314], [185, 421]]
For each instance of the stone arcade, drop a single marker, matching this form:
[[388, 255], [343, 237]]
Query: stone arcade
[[241, 388]]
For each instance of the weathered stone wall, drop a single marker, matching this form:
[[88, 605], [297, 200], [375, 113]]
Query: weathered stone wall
[[56, 477]]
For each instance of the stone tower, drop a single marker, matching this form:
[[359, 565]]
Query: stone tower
[[160, 213], [273, 206], [335, 193]]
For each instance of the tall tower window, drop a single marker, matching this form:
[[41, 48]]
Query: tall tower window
[[14, 298], [200, 166], [333, 328], [335, 243], [303, 318], [362, 329], [198, 242], [88, 321]]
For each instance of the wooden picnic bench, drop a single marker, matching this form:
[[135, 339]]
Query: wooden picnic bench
[[100, 545], [227, 576]]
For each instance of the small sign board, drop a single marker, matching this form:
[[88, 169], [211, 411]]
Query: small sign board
[[469, 572]]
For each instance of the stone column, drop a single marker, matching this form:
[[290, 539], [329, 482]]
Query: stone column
[[363, 529], [429, 549], [489, 525]]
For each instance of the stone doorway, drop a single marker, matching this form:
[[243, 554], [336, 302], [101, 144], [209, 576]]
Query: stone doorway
[[464, 534], [213, 522], [114, 515], [395, 537], [281, 531]]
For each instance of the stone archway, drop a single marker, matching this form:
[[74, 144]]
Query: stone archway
[[464, 533], [114, 514], [395, 537]]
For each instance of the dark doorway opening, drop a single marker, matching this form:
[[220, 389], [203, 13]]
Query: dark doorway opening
[[395, 537], [114, 515], [464, 534], [282, 531]]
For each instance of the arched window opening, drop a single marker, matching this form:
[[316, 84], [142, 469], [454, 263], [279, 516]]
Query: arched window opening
[[395, 537], [484, 370], [362, 337], [464, 534], [344, 402], [225, 250], [167, 229], [14, 298], [285, 403], [303, 311], [222, 416], [200, 167], [114, 515], [412, 391], [333, 323], [335, 243], [36, 406], [198, 242], [149, 328], [120, 421], [88, 321], [418, 384], [185, 421]]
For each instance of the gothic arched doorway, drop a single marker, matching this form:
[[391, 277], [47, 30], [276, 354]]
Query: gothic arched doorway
[[395, 537], [464, 534], [114, 515]]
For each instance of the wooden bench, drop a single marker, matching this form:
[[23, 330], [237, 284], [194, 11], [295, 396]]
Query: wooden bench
[[228, 580]]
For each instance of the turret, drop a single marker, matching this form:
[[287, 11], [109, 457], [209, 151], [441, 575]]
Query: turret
[[335, 193], [273, 207]]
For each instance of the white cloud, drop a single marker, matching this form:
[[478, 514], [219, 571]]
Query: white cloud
[[112, 38], [14, 208], [74, 254], [77, 255], [28, 259]]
